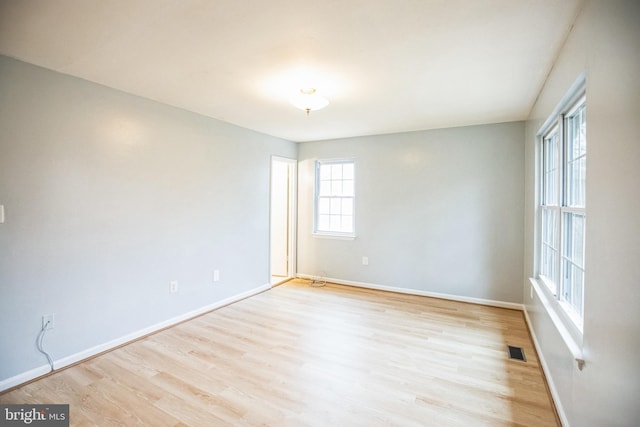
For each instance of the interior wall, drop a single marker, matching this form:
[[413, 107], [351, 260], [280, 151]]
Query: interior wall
[[437, 211], [605, 46], [108, 197]]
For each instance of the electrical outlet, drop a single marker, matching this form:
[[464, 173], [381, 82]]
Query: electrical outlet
[[173, 286], [365, 260], [216, 275], [48, 321]]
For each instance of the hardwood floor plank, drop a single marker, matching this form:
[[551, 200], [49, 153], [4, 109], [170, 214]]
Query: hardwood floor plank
[[303, 356]]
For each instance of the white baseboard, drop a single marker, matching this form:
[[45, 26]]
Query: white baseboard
[[547, 374], [24, 377], [409, 291], [101, 348]]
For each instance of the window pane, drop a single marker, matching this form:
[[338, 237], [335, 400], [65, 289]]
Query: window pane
[[578, 240], [577, 133], [549, 253], [325, 188], [576, 180], [551, 171], [336, 188], [550, 227], [347, 188], [347, 206], [549, 267], [336, 207], [325, 172], [576, 157], [573, 260], [324, 205], [572, 286], [336, 171], [574, 238], [323, 222], [334, 223]]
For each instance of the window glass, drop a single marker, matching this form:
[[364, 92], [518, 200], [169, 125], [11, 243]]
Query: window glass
[[576, 158], [551, 173], [335, 194], [562, 208]]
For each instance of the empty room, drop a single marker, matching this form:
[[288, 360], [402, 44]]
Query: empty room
[[293, 213]]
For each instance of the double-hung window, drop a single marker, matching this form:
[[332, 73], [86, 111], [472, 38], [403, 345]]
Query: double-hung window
[[562, 207], [334, 197]]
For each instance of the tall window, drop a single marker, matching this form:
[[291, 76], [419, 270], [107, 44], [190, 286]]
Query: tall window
[[334, 197], [562, 208]]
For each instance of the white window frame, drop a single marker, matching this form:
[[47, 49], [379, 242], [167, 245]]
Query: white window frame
[[553, 292], [318, 229], [552, 208]]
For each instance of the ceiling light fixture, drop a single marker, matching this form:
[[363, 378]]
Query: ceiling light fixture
[[309, 100]]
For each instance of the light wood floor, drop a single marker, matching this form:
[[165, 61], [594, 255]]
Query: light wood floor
[[303, 356]]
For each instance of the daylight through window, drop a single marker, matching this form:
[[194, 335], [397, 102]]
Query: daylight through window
[[562, 208], [335, 196]]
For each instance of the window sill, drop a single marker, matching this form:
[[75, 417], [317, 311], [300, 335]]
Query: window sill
[[335, 236], [568, 331]]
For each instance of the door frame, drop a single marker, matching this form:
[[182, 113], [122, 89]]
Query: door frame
[[292, 213]]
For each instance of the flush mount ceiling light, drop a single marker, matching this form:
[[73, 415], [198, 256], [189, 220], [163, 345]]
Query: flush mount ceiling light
[[309, 100]]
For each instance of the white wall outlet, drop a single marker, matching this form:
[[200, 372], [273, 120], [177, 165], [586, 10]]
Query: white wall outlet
[[365, 260], [216, 275], [1, 214], [173, 286], [48, 321]]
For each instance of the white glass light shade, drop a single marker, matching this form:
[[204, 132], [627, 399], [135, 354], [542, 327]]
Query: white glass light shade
[[309, 100]]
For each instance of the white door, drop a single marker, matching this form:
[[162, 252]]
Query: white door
[[282, 218]]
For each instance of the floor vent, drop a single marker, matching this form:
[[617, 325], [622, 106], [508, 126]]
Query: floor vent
[[516, 353]]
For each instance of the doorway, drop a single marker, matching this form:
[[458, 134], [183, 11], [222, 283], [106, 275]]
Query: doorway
[[283, 219]]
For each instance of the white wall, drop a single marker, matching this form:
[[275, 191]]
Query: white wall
[[436, 211], [605, 45], [109, 197]]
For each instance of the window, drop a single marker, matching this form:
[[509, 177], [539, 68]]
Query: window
[[334, 201], [562, 207]]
